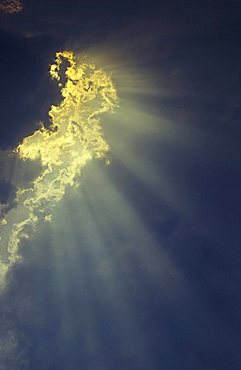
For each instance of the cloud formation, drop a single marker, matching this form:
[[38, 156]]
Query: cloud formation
[[11, 6], [63, 150]]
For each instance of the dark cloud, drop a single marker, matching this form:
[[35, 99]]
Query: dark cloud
[[11, 6]]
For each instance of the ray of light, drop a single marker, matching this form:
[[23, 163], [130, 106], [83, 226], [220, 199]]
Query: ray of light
[[103, 252]]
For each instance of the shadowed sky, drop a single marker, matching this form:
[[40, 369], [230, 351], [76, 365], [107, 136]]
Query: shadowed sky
[[140, 267]]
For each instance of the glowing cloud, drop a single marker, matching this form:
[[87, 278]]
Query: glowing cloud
[[63, 150], [11, 6]]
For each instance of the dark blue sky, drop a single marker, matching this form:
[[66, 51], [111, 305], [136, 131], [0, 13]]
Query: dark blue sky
[[141, 268]]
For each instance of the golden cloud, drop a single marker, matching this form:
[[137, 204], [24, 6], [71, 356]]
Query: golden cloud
[[63, 150]]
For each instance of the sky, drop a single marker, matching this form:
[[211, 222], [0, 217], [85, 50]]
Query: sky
[[120, 178]]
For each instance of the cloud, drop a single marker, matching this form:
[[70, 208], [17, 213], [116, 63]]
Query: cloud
[[11, 6], [73, 139]]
